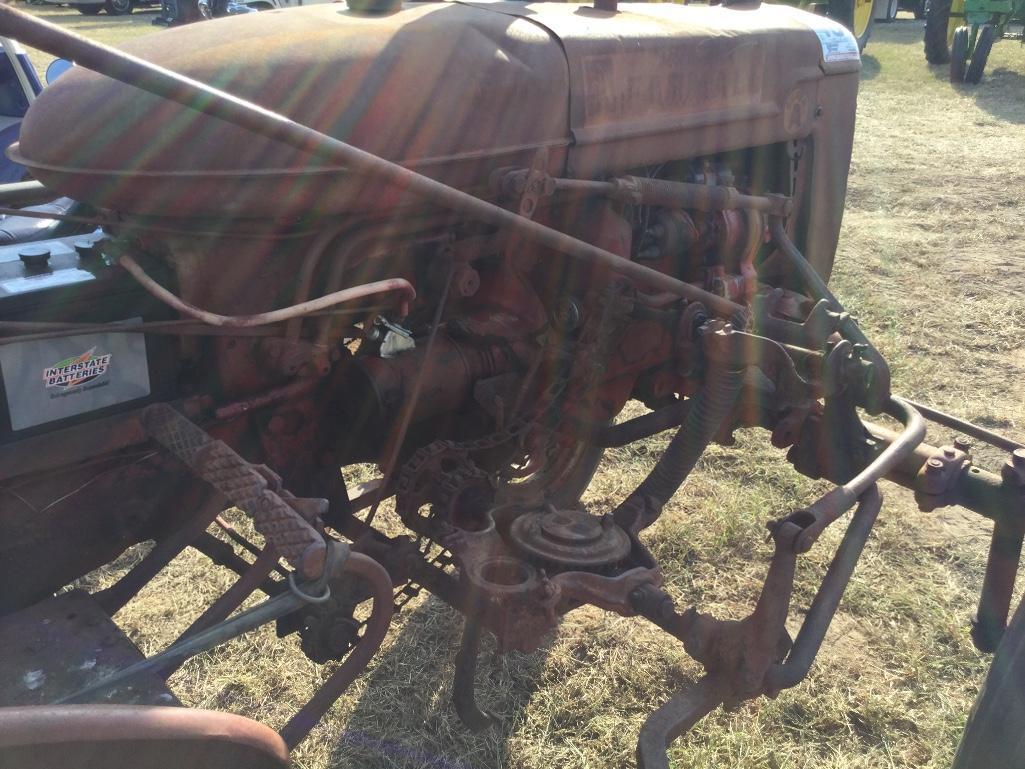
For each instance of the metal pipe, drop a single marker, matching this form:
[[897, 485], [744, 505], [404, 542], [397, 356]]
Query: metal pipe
[[644, 426], [304, 282], [264, 318], [232, 598], [968, 428], [827, 599], [373, 574], [990, 620], [174, 655], [203, 98], [677, 716], [841, 499]]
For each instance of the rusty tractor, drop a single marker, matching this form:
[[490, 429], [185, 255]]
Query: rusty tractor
[[452, 240]]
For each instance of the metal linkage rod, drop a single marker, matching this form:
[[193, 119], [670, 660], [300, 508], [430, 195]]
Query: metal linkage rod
[[827, 599], [211, 101], [250, 619]]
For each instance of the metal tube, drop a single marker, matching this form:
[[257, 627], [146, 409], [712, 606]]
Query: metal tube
[[968, 428], [203, 98], [232, 598], [375, 575], [827, 599], [677, 716], [265, 318], [998, 585], [644, 426], [841, 499], [268, 611]]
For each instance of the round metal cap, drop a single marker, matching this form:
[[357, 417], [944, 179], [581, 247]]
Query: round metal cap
[[34, 257], [570, 538]]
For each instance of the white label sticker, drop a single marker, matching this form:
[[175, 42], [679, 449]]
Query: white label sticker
[[838, 43], [45, 280]]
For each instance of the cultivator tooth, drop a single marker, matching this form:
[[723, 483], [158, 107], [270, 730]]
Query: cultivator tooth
[[247, 486]]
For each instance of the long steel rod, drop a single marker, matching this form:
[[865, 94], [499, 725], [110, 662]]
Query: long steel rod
[[211, 101], [966, 427], [173, 656], [827, 599]]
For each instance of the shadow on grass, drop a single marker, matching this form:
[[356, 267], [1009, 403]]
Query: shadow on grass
[[405, 716], [999, 92], [870, 67]]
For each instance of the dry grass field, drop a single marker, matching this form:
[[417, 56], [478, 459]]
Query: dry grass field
[[932, 261]]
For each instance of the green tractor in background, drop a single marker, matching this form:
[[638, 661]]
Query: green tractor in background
[[962, 32]]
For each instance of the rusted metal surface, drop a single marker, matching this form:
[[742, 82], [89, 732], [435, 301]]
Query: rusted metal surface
[[63, 645], [701, 214], [104, 736]]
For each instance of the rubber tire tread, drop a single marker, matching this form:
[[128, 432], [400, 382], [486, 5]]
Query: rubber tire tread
[[88, 10], [936, 20], [983, 46], [995, 733], [959, 55], [108, 6]]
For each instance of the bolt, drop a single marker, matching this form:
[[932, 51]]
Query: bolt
[[961, 443], [934, 466], [949, 453]]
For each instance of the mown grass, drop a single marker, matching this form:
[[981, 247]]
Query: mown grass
[[932, 263]]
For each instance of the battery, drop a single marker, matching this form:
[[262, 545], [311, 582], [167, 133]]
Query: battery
[[48, 384]]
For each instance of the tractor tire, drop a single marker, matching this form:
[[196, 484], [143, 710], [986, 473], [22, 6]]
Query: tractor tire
[[937, 19], [995, 733], [857, 15], [890, 12], [119, 7], [88, 10], [959, 55], [983, 45], [919, 9]]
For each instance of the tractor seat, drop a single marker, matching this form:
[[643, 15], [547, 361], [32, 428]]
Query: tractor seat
[[135, 737]]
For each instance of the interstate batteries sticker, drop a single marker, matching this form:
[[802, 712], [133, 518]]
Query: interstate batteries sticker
[[47, 380], [77, 370]]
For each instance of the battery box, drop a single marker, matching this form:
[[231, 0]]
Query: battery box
[[54, 382]]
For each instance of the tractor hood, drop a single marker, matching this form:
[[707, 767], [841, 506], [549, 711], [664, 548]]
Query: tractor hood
[[452, 90]]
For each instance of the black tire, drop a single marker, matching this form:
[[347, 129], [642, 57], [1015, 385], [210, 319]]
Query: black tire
[[919, 9], [892, 6], [995, 733], [983, 46], [118, 7], [88, 10], [937, 19], [959, 55], [842, 11]]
